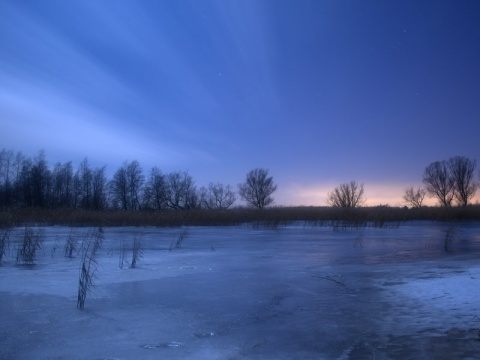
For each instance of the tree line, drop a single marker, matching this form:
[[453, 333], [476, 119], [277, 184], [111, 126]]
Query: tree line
[[451, 182], [30, 182]]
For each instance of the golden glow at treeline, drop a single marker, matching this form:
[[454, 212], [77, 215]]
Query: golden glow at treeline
[[391, 195]]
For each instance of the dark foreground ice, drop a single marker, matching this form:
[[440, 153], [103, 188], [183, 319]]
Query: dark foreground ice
[[295, 292]]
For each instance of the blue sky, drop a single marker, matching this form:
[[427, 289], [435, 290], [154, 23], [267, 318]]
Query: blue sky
[[319, 92]]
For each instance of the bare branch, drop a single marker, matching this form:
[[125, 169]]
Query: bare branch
[[414, 197], [348, 195], [461, 173], [438, 182], [257, 188]]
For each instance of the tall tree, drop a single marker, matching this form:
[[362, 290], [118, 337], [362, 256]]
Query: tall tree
[[182, 193], [127, 185], [99, 189], [461, 171], [135, 180], [119, 189], [40, 180], [85, 177], [439, 183], [23, 186], [62, 185], [67, 172], [257, 188], [6, 177], [156, 190], [348, 195], [17, 197]]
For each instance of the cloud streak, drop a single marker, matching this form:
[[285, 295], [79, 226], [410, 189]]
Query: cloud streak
[[48, 120]]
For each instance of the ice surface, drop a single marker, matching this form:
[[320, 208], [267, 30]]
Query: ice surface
[[296, 292]]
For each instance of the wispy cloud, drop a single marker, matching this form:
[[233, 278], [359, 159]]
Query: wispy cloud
[[46, 119], [56, 94]]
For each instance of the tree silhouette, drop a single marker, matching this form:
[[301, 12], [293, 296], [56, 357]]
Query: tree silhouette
[[257, 188], [348, 195], [414, 197], [462, 173], [216, 196], [438, 182], [451, 179]]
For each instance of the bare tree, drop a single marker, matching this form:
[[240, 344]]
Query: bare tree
[[217, 196], [99, 188], [119, 189], [135, 180], [85, 177], [414, 197], [17, 183], [127, 185], [182, 194], [23, 186], [461, 171], [156, 190], [348, 195], [39, 180], [6, 177], [62, 185], [257, 188], [438, 182]]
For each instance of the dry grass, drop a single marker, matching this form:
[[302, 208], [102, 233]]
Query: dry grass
[[91, 244], [30, 244], [271, 217], [137, 251], [4, 237]]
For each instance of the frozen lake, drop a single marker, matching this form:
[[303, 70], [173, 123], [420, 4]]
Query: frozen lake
[[295, 292]]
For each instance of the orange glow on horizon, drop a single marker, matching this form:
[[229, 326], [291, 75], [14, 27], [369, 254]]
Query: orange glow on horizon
[[391, 195]]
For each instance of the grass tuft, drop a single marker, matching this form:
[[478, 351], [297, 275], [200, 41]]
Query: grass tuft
[[137, 251], [89, 265], [177, 243], [71, 244], [32, 242]]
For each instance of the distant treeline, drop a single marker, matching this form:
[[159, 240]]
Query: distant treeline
[[33, 192], [31, 183]]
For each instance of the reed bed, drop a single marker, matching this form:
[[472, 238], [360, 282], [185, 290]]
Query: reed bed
[[270, 217]]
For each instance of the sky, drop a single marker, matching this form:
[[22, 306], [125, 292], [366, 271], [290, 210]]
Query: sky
[[319, 92]]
